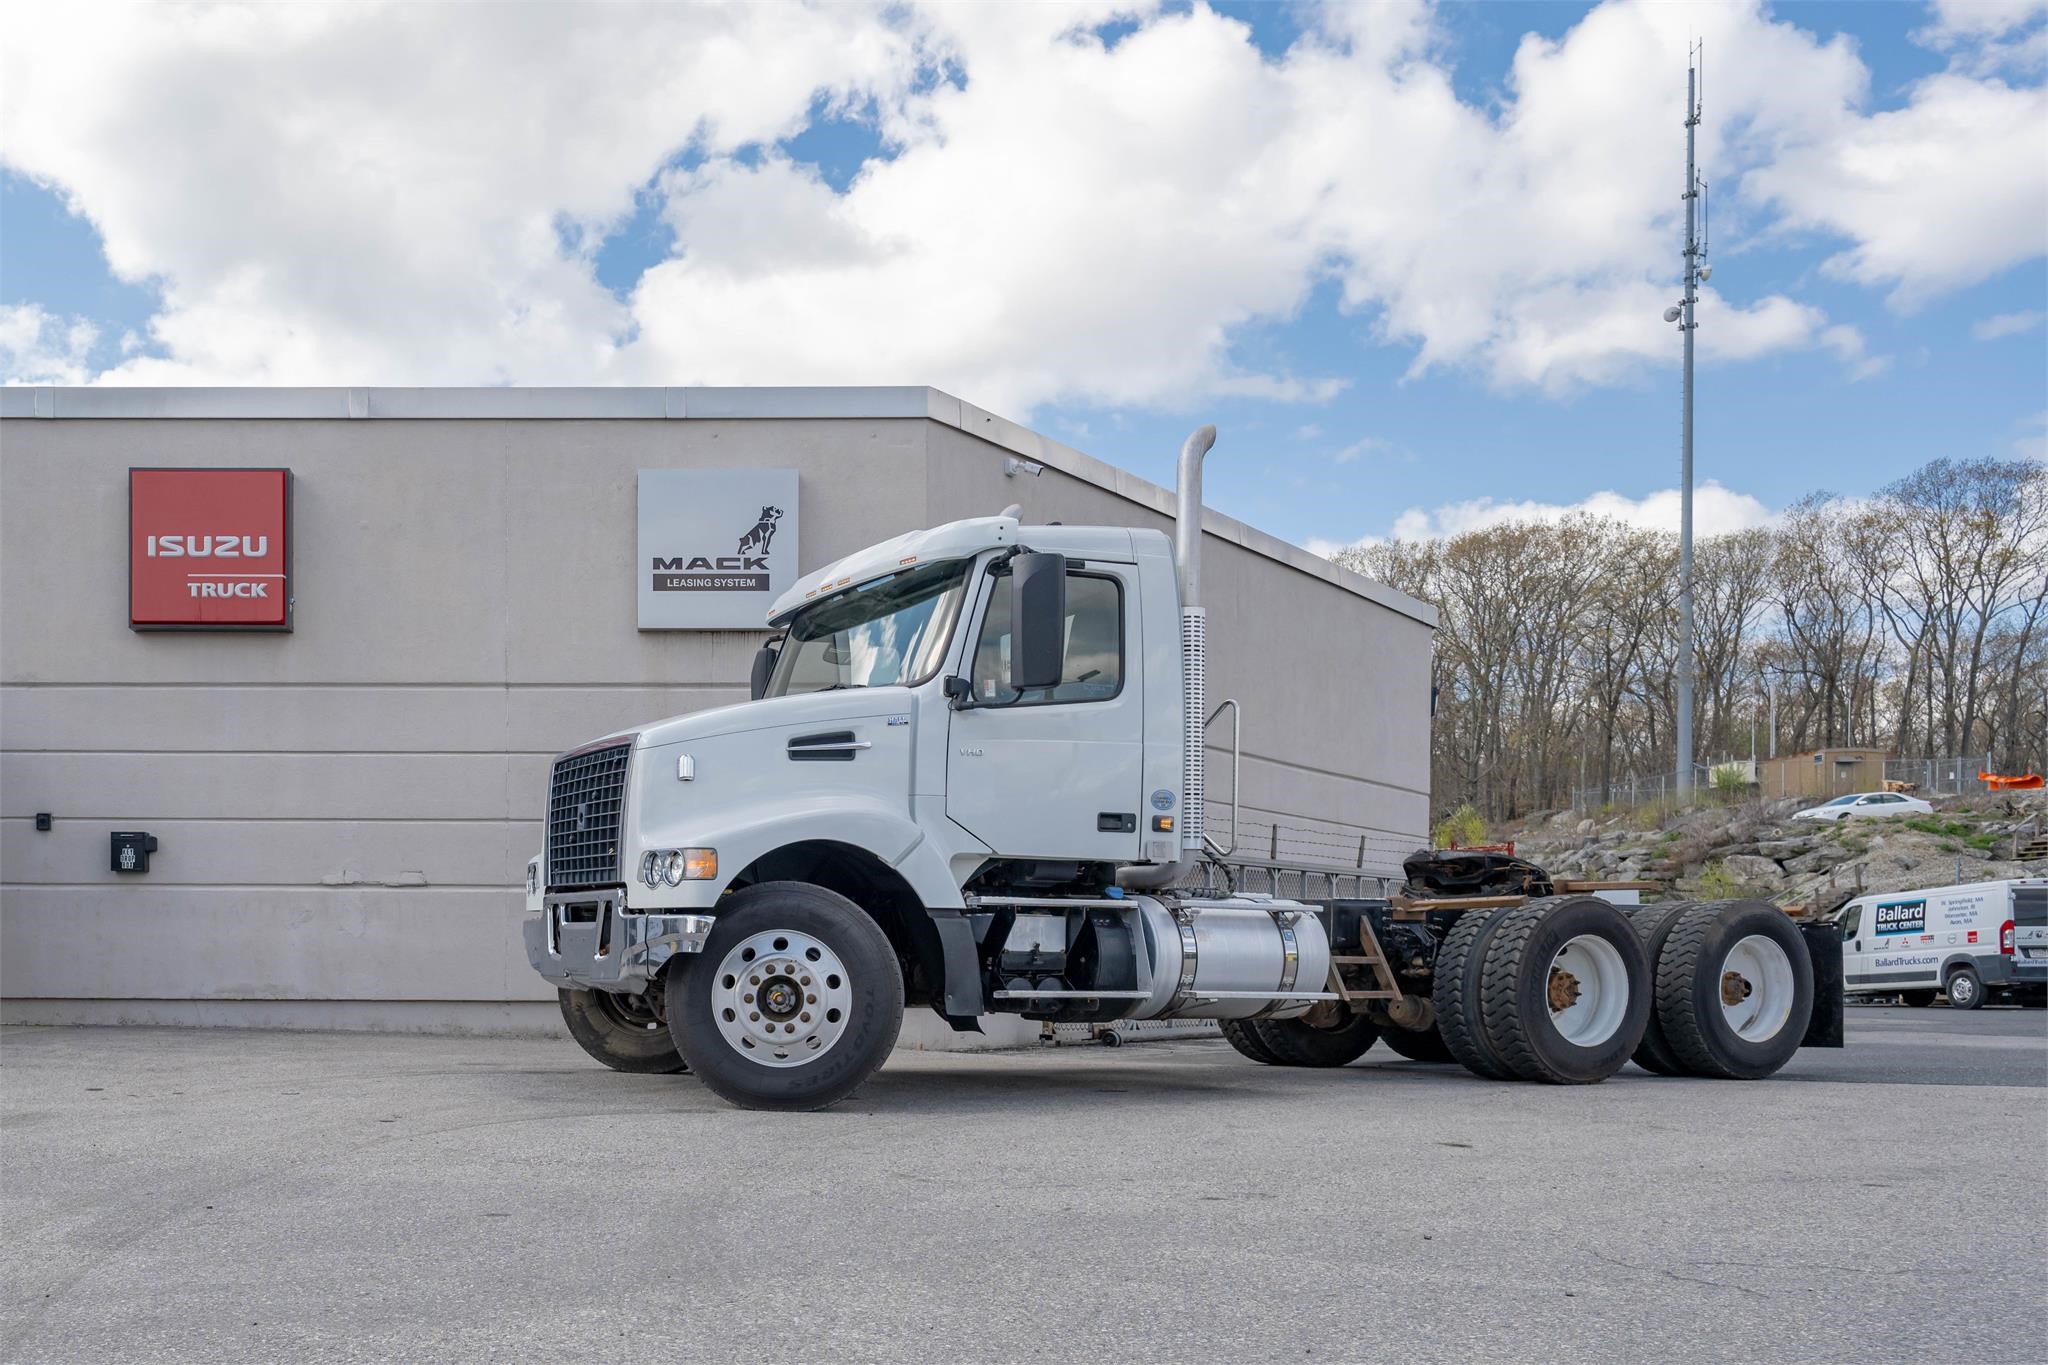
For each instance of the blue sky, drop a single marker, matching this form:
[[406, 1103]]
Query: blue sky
[[1331, 430]]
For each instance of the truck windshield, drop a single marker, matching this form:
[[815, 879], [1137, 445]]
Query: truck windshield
[[891, 632]]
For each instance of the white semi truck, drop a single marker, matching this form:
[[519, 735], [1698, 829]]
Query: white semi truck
[[971, 778]]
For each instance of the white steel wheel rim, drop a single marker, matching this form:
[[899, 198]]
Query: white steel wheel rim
[[1587, 990], [1756, 988], [781, 998]]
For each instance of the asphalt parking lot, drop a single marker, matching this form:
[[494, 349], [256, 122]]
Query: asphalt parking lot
[[217, 1195]]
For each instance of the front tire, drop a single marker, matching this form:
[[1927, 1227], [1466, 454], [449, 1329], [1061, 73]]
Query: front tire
[[1965, 989], [794, 1002], [625, 1032]]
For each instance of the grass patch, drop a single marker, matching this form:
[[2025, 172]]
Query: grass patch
[[1952, 831], [1462, 828], [1717, 883]]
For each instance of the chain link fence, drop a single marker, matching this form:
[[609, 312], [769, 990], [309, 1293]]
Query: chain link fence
[[1957, 775]]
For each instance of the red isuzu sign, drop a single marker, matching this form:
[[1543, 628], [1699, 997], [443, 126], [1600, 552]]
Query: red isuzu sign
[[209, 549]]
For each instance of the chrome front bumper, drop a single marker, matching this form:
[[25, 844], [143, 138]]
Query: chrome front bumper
[[586, 939]]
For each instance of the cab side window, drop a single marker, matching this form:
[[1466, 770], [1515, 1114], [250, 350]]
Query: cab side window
[[1851, 920], [1094, 659]]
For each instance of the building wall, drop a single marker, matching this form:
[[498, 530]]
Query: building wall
[[1839, 772], [344, 811]]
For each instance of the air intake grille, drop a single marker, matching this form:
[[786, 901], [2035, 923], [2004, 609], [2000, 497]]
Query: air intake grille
[[585, 797]]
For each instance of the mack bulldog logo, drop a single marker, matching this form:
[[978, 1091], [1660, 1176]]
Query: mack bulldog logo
[[740, 571], [763, 532]]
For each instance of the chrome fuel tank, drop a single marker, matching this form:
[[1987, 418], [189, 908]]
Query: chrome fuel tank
[[1230, 959]]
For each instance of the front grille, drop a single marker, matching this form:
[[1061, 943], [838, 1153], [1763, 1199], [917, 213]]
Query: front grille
[[586, 796]]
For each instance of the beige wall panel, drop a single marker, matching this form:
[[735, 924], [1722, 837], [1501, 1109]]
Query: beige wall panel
[[357, 943], [122, 788], [319, 719], [285, 853]]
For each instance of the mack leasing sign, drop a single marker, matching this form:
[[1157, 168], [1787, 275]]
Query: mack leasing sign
[[209, 549], [717, 546]]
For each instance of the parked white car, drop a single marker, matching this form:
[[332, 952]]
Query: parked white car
[[1866, 806]]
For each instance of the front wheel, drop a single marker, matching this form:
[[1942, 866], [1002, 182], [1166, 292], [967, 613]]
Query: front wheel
[[625, 1032], [795, 1000], [1965, 989]]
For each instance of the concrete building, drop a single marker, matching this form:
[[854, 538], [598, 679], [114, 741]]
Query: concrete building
[[342, 812]]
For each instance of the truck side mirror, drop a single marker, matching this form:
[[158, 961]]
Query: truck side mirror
[[764, 669], [1038, 620]]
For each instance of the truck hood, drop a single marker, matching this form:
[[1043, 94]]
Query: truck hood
[[805, 708]]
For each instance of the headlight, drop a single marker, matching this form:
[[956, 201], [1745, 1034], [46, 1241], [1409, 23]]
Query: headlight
[[674, 866]]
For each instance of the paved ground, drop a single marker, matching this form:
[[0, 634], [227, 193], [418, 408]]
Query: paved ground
[[173, 1195]]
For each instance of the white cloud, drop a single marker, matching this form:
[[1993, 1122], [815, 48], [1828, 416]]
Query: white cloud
[[37, 347], [1943, 193], [381, 193], [1716, 510], [1985, 35], [1364, 445], [2007, 325]]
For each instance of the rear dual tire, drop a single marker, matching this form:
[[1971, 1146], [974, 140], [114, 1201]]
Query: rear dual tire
[[1734, 989], [1553, 991], [1324, 1037], [1565, 997]]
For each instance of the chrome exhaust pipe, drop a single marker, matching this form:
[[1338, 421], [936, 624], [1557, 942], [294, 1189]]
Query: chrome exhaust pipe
[[1194, 641], [1194, 670]]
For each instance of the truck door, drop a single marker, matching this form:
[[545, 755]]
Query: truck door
[[1055, 772], [1854, 967]]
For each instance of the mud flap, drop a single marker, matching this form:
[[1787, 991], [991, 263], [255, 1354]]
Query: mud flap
[[1824, 946], [963, 969]]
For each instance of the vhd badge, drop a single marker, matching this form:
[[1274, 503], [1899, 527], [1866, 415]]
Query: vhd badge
[[209, 549]]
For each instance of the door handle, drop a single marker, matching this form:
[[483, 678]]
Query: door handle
[[1116, 822]]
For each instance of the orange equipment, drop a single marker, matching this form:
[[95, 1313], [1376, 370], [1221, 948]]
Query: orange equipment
[[2030, 782]]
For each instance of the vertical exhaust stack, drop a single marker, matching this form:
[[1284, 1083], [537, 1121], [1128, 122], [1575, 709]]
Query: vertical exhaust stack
[[1194, 641]]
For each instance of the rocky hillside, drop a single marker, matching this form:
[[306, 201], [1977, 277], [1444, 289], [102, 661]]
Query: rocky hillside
[[1757, 849]]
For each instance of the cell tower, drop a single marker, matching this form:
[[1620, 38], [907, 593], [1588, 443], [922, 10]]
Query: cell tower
[[1684, 315]]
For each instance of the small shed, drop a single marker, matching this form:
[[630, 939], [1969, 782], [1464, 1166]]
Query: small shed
[[1822, 772]]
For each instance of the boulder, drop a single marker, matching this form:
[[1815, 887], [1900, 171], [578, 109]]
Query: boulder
[[1818, 859], [1752, 870], [1781, 849]]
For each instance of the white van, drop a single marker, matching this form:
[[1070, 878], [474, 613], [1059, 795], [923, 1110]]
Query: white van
[[1969, 941]]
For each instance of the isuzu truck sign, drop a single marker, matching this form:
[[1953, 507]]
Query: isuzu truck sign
[[716, 546], [209, 549]]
